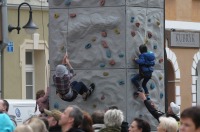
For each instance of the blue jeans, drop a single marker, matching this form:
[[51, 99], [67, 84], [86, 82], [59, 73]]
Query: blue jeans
[[135, 80]]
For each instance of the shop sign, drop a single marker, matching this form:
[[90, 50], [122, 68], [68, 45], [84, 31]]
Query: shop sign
[[185, 39]]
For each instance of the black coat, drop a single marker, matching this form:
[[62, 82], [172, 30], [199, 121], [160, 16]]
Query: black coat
[[156, 113]]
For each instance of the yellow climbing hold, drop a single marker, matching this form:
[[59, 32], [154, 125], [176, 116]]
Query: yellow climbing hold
[[56, 15], [105, 73], [94, 39], [117, 31]]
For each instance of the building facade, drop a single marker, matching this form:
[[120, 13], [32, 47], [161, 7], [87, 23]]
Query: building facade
[[25, 58], [182, 30]]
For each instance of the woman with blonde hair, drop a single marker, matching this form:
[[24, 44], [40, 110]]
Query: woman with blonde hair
[[167, 124], [23, 128], [37, 125]]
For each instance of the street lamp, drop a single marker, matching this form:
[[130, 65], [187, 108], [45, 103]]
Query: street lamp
[[30, 27]]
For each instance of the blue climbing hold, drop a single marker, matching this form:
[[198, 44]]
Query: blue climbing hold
[[56, 105], [88, 46], [155, 47], [102, 65], [68, 2], [132, 19], [152, 86], [121, 55], [161, 95], [108, 53], [121, 82]]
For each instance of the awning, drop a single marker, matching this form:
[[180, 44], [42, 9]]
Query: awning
[[180, 25]]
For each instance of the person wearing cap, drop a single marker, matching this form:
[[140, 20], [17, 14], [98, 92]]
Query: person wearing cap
[[172, 111], [65, 89], [53, 117]]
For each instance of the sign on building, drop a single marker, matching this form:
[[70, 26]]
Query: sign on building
[[10, 47], [185, 39]]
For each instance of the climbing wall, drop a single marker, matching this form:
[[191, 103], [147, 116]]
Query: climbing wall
[[101, 38]]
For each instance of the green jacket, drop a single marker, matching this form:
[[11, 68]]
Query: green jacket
[[111, 129]]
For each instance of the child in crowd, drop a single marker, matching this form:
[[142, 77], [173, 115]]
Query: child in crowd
[[42, 100], [146, 62], [66, 90]]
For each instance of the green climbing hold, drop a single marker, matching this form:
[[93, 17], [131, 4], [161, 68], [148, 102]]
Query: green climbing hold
[[108, 53], [121, 55], [105, 73]]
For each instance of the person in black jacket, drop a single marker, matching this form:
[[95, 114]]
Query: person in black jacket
[[173, 109]]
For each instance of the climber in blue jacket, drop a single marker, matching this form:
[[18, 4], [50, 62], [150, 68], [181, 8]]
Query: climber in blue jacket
[[146, 61]]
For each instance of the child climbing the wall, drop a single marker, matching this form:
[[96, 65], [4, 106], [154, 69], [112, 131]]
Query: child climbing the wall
[[65, 89], [146, 61]]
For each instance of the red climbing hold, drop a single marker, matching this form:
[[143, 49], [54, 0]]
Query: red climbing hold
[[102, 97], [102, 2], [104, 44], [149, 34], [103, 34], [137, 24], [112, 62], [133, 33], [161, 60], [72, 15]]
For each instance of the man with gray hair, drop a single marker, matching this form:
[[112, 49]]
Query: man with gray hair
[[113, 119], [71, 119]]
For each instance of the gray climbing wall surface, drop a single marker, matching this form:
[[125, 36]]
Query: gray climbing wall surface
[[101, 38]]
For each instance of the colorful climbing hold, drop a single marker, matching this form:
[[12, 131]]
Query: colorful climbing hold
[[105, 73], [56, 15], [108, 53], [102, 97], [94, 105], [149, 34], [137, 24], [146, 41], [155, 46], [121, 82], [121, 55], [112, 62], [161, 95], [132, 19], [133, 33], [72, 15], [104, 34], [104, 44], [68, 2], [56, 105], [102, 64], [94, 39], [87, 46], [157, 22], [152, 86], [102, 2], [161, 60], [117, 31], [160, 77]]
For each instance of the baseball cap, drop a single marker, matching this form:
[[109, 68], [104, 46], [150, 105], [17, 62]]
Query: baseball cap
[[54, 113], [175, 108], [61, 70]]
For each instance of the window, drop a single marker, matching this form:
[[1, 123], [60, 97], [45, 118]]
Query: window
[[29, 71]]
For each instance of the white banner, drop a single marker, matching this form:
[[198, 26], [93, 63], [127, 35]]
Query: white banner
[[185, 39]]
